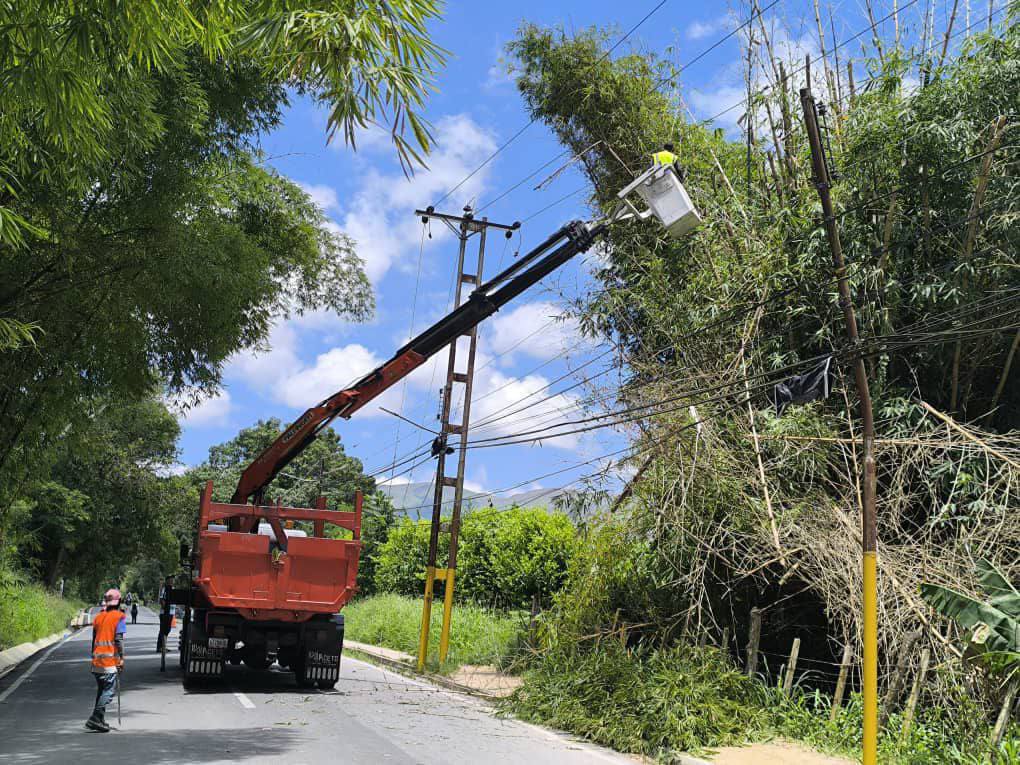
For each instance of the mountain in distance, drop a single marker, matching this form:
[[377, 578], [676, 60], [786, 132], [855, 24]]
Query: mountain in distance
[[415, 499]]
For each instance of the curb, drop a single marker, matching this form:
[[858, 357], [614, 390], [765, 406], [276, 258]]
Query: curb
[[12, 657], [375, 653]]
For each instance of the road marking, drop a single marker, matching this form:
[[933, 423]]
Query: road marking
[[29, 671], [245, 701]]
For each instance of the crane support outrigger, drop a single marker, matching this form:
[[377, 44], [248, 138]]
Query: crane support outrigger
[[259, 591]]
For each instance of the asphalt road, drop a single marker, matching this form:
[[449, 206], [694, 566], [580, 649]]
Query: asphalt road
[[373, 716]]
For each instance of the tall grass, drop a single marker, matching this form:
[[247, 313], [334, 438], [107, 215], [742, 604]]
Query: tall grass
[[477, 635], [28, 612]]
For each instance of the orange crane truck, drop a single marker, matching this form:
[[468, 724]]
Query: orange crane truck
[[259, 590]]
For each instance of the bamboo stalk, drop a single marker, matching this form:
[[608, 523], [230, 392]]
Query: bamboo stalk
[[949, 31], [966, 434], [1004, 376], [766, 494], [998, 128]]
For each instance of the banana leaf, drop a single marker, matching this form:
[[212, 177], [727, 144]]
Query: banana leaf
[[1003, 594], [1003, 630]]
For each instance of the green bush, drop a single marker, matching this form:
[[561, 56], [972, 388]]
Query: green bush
[[28, 612], [505, 558], [400, 562], [477, 635]]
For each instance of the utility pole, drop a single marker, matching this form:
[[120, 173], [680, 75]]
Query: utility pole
[[869, 524], [464, 227]]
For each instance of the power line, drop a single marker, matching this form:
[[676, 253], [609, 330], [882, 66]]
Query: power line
[[533, 120]]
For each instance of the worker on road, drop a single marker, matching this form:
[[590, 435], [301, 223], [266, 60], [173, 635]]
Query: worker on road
[[134, 613], [108, 629]]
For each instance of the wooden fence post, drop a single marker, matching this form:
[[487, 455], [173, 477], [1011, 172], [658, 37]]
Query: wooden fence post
[[1003, 720], [752, 642], [791, 667], [844, 669], [895, 690], [915, 692]]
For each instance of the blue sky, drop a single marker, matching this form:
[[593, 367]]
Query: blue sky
[[365, 194]]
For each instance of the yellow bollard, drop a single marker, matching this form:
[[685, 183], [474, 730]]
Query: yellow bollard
[[426, 617], [870, 659], [444, 635]]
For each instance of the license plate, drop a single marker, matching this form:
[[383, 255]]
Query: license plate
[[320, 659], [217, 642]]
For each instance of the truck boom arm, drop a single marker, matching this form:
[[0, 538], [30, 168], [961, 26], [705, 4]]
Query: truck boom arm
[[570, 240]]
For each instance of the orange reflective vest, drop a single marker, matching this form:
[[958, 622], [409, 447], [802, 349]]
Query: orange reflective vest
[[104, 635]]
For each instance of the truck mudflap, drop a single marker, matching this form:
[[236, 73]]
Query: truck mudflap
[[321, 667], [205, 656]]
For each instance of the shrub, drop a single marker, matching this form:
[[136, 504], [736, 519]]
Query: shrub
[[505, 558]]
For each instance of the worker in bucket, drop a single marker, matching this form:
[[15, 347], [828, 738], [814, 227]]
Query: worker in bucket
[[108, 629], [668, 158]]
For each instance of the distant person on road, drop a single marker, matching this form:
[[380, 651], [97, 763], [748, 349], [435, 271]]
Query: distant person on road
[[134, 613], [108, 629], [165, 615]]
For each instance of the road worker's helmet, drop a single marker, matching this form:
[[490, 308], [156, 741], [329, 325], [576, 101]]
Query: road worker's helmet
[[112, 597]]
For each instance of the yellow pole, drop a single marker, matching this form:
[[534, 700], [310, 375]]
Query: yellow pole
[[870, 658], [869, 516], [426, 617], [444, 635]]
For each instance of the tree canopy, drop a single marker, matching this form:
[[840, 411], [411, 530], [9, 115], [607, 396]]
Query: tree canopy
[[144, 239]]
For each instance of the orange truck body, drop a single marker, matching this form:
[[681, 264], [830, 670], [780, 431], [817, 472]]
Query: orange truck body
[[241, 570]]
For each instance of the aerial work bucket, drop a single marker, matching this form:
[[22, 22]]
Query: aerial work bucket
[[666, 197]]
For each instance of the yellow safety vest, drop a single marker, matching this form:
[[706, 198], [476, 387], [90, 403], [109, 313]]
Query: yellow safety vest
[[663, 157]]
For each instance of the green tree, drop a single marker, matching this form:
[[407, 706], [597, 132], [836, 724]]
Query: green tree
[[104, 500], [322, 469], [142, 238]]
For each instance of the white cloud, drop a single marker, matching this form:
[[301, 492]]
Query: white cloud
[[262, 368], [699, 30], [174, 468], [379, 217], [324, 196], [332, 370], [211, 411], [504, 405], [397, 480], [278, 372], [533, 329]]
